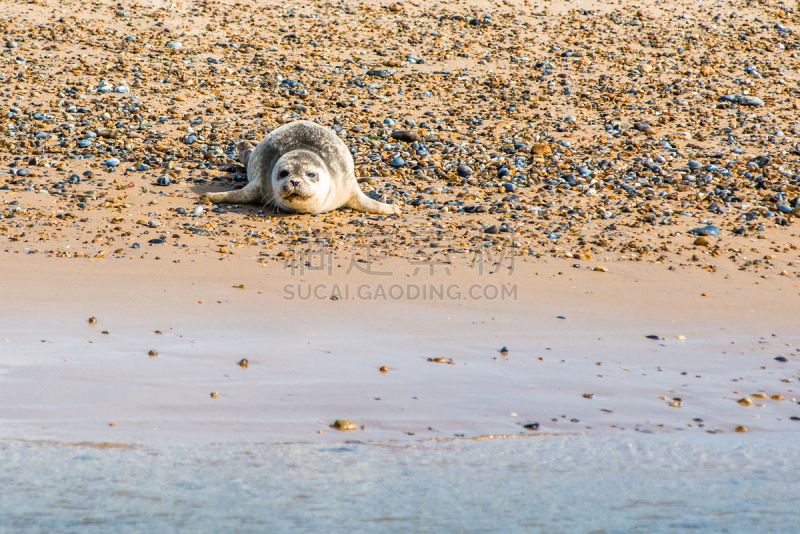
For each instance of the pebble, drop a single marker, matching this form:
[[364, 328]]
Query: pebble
[[406, 136], [464, 171], [705, 231], [531, 426], [781, 359], [344, 425], [112, 162], [243, 363], [379, 73], [750, 101], [163, 180]]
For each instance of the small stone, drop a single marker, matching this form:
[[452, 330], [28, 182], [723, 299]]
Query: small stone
[[504, 351], [152, 354], [92, 320], [702, 242], [378, 73], [750, 101], [746, 401], [384, 369], [243, 363], [600, 269], [163, 180], [214, 395], [112, 162], [143, 167], [531, 426], [398, 162], [343, 425], [781, 359], [406, 136], [740, 428], [588, 395], [705, 231], [464, 171], [12, 44], [541, 150], [198, 211], [493, 229]]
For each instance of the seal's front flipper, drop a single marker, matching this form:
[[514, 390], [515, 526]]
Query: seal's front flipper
[[250, 194], [362, 202]]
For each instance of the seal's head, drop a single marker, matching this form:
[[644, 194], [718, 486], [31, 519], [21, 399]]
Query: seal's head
[[300, 181]]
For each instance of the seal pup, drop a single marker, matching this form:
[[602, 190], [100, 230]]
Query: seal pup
[[301, 167]]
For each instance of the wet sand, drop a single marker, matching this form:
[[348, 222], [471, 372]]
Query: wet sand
[[578, 357]]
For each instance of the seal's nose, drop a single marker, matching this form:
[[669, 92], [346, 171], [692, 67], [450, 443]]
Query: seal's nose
[[295, 183]]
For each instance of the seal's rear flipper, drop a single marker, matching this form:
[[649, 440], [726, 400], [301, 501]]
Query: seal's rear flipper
[[250, 194], [245, 150], [362, 202]]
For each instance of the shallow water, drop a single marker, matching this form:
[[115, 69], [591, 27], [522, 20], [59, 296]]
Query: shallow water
[[628, 483]]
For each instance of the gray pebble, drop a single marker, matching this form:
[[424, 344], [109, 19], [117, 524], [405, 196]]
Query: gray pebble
[[750, 101]]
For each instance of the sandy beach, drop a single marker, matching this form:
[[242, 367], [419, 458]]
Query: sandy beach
[[583, 320]]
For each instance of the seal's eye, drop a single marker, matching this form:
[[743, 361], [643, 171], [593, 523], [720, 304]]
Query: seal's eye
[[311, 175], [284, 173]]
